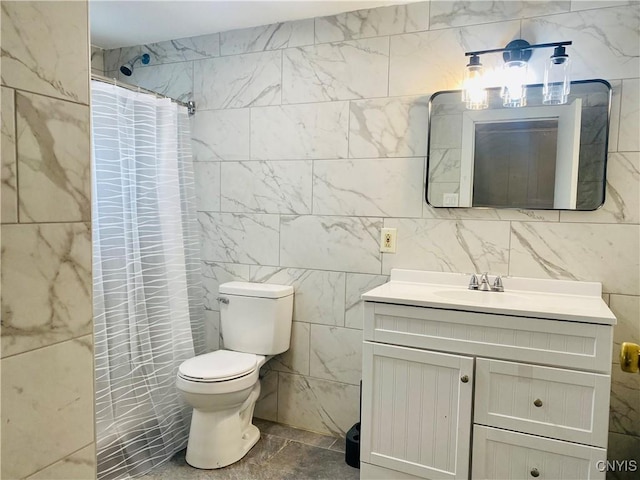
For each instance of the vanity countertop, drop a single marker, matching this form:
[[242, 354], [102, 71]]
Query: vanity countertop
[[524, 297]]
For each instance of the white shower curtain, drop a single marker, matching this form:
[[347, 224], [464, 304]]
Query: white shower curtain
[[147, 303]]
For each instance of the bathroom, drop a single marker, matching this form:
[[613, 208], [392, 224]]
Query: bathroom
[[330, 136]]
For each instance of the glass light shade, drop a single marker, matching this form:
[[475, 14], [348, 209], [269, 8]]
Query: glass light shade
[[474, 93], [514, 92], [557, 80]]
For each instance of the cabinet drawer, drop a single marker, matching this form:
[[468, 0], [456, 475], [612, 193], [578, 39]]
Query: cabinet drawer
[[549, 342], [550, 402], [499, 454]]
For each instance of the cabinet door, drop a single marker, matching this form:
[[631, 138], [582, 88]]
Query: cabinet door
[[416, 411], [504, 455]]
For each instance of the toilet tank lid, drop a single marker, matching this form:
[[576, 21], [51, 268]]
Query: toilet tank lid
[[250, 289]]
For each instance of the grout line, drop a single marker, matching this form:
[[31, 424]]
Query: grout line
[[15, 150], [60, 459], [388, 65], [90, 334]]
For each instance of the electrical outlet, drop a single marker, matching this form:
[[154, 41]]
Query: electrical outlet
[[388, 240], [450, 200]]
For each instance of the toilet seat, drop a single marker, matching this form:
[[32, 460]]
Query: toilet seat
[[222, 371], [218, 366]]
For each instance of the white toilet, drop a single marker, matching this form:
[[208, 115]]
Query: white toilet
[[223, 386]]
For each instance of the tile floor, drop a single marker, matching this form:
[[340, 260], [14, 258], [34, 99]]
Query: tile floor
[[281, 453]]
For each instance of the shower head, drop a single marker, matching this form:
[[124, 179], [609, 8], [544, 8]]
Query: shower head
[[127, 68]]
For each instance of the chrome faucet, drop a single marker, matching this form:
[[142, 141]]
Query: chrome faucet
[[483, 285]]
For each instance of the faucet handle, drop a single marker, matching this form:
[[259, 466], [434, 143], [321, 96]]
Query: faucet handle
[[497, 284], [484, 282], [473, 282]]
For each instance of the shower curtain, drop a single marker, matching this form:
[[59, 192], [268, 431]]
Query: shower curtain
[[147, 303]]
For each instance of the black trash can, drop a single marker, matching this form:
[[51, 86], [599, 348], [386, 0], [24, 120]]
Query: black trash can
[[352, 449]]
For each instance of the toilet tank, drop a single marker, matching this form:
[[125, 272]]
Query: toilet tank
[[256, 317]]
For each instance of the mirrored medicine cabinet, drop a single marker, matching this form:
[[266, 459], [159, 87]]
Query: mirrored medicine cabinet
[[547, 157]]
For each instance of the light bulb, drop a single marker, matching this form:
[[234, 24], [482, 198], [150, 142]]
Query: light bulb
[[514, 93], [474, 93]]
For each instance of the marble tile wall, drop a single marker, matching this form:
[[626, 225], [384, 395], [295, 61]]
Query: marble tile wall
[[47, 321], [311, 136]]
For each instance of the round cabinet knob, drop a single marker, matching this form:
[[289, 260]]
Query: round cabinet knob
[[464, 378], [535, 473], [537, 402]]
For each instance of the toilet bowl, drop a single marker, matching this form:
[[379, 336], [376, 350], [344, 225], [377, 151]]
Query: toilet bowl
[[223, 386]]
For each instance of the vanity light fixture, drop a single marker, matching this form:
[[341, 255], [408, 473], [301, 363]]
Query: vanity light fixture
[[555, 90], [516, 56], [474, 92]]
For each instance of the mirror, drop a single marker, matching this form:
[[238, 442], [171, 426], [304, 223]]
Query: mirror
[[545, 157]]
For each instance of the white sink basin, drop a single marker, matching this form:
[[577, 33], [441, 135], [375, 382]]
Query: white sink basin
[[478, 296]]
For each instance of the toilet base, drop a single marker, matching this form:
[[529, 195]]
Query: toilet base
[[220, 438]]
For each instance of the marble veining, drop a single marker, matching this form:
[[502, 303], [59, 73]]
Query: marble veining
[[490, 214], [622, 197], [53, 143], [184, 49], [336, 71], [239, 238], [330, 243], [47, 405], [373, 22], [549, 250], [625, 398], [212, 340], [421, 63], [267, 37], [296, 359], [299, 132], [389, 127], [368, 187], [319, 295], [46, 285], [80, 464], [336, 354], [630, 116], [624, 412], [207, 185], [318, 405], [170, 51], [266, 186], [215, 273], [267, 404], [238, 81], [357, 284], [49, 60], [444, 165], [9, 186], [601, 41], [456, 13], [451, 246], [221, 135], [172, 80]]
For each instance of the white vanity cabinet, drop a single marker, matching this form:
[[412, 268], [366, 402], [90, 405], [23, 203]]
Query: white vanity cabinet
[[505, 387]]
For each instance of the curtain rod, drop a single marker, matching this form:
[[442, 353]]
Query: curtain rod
[[191, 106]]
